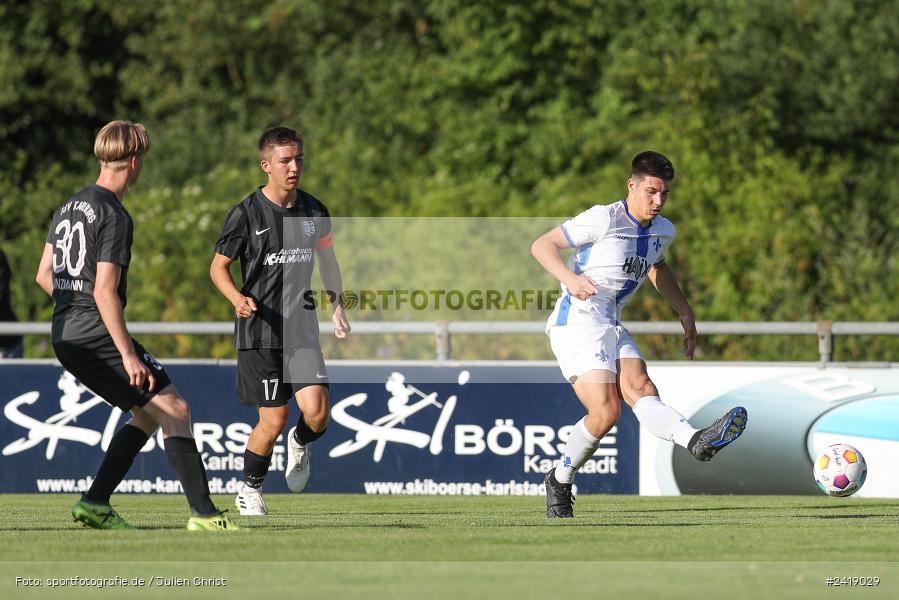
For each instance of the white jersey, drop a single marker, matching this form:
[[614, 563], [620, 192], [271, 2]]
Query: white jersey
[[616, 252]]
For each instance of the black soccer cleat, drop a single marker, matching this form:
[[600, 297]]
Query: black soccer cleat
[[705, 443], [559, 498]]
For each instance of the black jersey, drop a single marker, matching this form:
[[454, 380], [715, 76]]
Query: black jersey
[[91, 227], [276, 249]]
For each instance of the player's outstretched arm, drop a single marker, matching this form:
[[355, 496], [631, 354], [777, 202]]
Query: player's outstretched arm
[[329, 269], [220, 273], [546, 249], [44, 277], [664, 281]]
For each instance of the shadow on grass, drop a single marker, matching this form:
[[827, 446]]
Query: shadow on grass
[[275, 526], [877, 516], [853, 506], [650, 511], [575, 523], [244, 526], [394, 513]]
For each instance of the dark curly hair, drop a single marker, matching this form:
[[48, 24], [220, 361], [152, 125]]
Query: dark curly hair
[[652, 164]]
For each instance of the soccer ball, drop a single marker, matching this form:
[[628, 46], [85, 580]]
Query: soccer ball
[[841, 470]]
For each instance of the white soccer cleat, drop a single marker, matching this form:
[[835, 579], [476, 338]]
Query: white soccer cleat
[[249, 501], [298, 468]]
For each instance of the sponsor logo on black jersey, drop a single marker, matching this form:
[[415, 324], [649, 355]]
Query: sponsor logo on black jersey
[[288, 256]]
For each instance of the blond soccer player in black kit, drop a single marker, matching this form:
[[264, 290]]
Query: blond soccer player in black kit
[[276, 232], [84, 268]]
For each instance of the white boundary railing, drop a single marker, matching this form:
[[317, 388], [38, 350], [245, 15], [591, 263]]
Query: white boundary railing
[[443, 330]]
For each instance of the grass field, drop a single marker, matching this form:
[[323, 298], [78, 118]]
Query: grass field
[[316, 546]]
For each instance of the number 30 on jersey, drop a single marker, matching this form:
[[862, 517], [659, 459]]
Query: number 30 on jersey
[[65, 233]]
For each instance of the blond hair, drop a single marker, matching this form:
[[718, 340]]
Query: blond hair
[[120, 140]]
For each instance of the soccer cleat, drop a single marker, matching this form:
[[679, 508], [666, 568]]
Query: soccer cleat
[[298, 468], [98, 516], [249, 501], [219, 522], [705, 443], [559, 498]]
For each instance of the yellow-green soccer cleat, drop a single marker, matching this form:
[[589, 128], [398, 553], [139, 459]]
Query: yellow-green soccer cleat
[[98, 516], [219, 522]]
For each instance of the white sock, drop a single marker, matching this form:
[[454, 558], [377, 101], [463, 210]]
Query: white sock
[[579, 448], [663, 421]]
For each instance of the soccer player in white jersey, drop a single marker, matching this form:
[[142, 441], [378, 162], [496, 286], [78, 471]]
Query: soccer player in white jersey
[[616, 247]]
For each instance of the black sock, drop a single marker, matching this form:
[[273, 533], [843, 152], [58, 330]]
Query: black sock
[[304, 435], [123, 447], [187, 464], [255, 468]]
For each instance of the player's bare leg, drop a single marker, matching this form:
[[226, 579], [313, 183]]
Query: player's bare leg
[[598, 393], [641, 394], [313, 421], [664, 422]]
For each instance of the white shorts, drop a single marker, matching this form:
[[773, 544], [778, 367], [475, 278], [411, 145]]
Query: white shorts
[[582, 348]]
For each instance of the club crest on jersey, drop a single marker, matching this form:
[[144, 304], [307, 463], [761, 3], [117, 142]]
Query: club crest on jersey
[[309, 228], [636, 267], [657, 244]]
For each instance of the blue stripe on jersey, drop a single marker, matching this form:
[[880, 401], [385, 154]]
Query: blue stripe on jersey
[[642, 251], [567, 237], [581, 256], [627, 289], [564, 307], [642, 241]]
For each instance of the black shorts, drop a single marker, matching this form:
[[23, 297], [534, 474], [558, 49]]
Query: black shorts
[[98, 365], [261, 374]]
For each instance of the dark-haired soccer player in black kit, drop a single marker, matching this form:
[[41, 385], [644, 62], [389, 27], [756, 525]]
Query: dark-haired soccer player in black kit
[[85, 269], [275, 233]]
